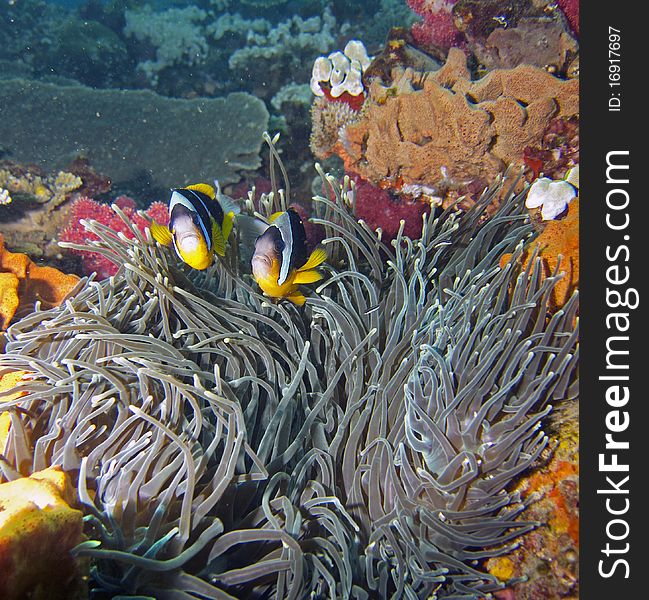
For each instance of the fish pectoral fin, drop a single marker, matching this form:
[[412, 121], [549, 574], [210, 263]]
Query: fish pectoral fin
[[204, 188], [318, 256], [218, 241], [228, 219], [161, 233], [297, 298], [310, 276], [275, 216]]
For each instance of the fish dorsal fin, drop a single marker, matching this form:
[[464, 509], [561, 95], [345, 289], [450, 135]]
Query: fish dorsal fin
[[250, 227], [227, 203], [161, 233], [318, 256], [275, 216], [204, 188], [218, 241]]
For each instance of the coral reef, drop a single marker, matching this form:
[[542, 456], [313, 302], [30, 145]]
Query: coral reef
[[546, 562], [284, 53], [570, 8], [558, 239], [87, 51], [176, 35], [437, 28], [502, 34], [339, 75], [443, 128], [538, 42], [33, 187], [38, 529], [23, 283], [133, 135], [328, 119], [226, 447], [381, 210], [558, 149], [31, 223], [83, 209]]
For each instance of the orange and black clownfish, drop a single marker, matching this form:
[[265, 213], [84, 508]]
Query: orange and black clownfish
[[200, 221], [280, 263]]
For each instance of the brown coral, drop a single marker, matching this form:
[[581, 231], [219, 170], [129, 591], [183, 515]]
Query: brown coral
[[38, 207], [23, 282], [33, 186], [444, 128], [327, 118]]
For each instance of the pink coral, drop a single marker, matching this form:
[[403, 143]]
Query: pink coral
[[436, 27], [85, 208], [378, 208]]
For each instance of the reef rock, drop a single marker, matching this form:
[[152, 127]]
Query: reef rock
[[441, 128], [38, 528]]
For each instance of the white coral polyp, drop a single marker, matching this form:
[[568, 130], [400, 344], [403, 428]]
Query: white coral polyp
[[341, 71], [552, 196], [355, 51]]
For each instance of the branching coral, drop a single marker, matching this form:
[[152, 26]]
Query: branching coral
[[176, 34], [227, 447], [273, 55], [52, 189]]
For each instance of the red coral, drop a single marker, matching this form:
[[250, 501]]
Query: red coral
[[354, 102], [378, 208], [436, 29], [85, 208], [570, 8]]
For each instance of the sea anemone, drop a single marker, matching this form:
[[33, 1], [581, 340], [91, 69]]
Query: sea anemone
[[226, 447]]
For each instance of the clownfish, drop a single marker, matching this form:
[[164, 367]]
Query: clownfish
[[280, 263], [200, 221]]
